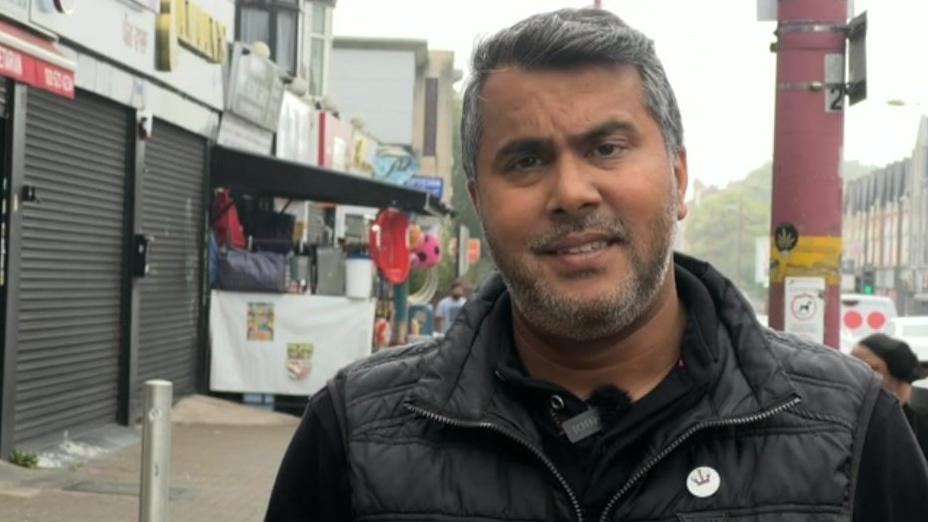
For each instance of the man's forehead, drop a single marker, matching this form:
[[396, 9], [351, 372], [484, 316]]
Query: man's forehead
[[515, 98], [505, 77]]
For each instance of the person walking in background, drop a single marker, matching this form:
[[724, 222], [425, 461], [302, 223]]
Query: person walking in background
[[447, 309], [895, 361]]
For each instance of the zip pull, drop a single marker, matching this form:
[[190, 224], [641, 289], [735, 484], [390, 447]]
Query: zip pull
[[463, 423], [731, 421]]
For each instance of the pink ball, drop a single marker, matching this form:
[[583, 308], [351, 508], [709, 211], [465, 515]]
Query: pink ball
[[427, 253]]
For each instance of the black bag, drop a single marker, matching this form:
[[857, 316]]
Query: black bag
[[243, 271], [273, 225]]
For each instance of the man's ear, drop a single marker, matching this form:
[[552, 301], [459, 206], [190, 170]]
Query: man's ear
[[474, 194], [681, 174]]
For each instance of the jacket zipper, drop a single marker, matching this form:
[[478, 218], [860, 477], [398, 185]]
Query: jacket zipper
[[512, 436], [732, 421]]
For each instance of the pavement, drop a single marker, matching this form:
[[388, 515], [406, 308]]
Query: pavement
[[224, 460]]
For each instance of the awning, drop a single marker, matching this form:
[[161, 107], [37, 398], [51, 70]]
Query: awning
[[270, 176], [33, 60]]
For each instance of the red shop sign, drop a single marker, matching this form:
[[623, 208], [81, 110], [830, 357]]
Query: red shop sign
[[34, 61]]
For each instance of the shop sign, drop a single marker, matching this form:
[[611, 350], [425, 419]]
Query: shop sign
[[473, 251], [52, 74], [256, 90], [183, 22], [237, 133], [152, 5], [65, 6], [16, 9], [128, 32], [395, 164], [334, 140], [363, 153], [431, 184], [294, 131]]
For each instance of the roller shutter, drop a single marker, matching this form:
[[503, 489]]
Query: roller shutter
[[169, 311], [68, 327]]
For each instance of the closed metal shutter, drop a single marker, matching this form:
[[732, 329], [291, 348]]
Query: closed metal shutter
[[169, 311], [68, 328], [4, 96]]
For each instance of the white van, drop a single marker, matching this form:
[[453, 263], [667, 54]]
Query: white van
[[862, 315]]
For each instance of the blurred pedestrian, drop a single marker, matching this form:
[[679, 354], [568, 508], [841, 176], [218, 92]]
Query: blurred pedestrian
[[895, 361], [447, 309]]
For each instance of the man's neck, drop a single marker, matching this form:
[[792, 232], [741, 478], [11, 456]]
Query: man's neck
[[634, 360]]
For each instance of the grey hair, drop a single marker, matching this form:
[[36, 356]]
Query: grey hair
[[567, 39]]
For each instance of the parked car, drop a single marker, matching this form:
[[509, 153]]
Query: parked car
[[862, 315], [914, 331]]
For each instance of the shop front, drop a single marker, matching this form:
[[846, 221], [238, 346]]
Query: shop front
[[105, 152]]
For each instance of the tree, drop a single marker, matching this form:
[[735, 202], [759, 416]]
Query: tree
[[723, 224], [466, 214], [721, 228]]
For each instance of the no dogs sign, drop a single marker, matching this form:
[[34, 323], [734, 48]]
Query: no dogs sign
[[805, 307]]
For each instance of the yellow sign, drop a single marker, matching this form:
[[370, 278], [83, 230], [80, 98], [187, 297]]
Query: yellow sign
[[184, 22], [166, 50], [813, 256]]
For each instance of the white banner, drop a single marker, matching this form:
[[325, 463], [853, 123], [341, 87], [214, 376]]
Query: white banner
[[285, 343]]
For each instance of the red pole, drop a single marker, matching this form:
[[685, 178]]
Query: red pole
[[598, 4], [808, 136]]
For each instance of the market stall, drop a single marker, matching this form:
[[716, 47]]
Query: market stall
[[292, 304]]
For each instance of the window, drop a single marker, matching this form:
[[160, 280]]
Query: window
[[287, 34], [319, 21], [318, 39], [316, 66], [274, 22], [431, 117]]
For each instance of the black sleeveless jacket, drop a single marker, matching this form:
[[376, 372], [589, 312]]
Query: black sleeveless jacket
[[433, 436]]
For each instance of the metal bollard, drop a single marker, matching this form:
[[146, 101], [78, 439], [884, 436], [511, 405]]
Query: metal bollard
[[156, 451]]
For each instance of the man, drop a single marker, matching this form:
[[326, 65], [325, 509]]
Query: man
[[447, 309], [898, 365], [599, 377]]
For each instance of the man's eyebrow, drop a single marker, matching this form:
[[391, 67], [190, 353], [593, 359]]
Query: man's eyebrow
[[605, 129], [524, 146]]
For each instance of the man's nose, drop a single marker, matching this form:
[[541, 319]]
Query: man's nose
[[573, 188]]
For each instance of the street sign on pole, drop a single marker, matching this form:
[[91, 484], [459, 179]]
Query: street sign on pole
[[804, 304], [857, 59], [463, 238]]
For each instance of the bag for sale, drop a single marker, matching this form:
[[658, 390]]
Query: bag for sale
[[227, 227], [243, 271]]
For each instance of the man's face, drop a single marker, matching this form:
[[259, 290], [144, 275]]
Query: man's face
[[457, 292], [577, 196]]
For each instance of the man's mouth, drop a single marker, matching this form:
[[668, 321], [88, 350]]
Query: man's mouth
[[582, 249], [577, 244]]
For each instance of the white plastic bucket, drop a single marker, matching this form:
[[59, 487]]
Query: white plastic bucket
[[359, 277]]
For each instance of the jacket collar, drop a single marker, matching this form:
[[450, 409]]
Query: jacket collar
[[459, 382]]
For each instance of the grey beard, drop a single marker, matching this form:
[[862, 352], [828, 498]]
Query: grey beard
[[609, 314]]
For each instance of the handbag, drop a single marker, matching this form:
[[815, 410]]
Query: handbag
[[244, 271]]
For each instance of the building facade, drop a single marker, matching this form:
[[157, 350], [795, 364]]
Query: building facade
[[105, 144], [412, 106], [884, 225]]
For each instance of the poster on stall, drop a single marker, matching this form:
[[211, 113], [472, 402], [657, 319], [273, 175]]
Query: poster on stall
[[284, 344]]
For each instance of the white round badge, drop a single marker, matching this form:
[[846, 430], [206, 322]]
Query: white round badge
[[703, 482]]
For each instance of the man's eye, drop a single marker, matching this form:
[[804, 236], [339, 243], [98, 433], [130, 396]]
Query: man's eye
[[526, 162], [606, 150]]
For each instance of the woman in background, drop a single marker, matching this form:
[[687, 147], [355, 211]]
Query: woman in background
[[895, 361]]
